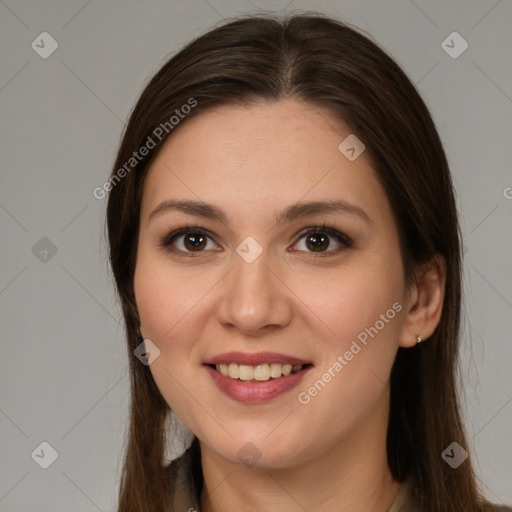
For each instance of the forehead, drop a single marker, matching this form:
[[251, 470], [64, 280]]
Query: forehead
[[261, 156]]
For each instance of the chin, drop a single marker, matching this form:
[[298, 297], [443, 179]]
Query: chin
[[259, 453]]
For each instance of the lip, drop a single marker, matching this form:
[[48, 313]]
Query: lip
[[255, 392], [255, 359]]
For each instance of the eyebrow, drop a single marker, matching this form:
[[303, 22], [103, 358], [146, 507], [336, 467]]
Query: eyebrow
[[299, 210], [291, 213], [190, 207]]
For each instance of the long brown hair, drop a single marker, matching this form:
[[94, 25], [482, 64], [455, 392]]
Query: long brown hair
[[329, 64]]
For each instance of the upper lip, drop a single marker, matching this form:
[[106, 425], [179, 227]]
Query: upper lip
[[255, 359]]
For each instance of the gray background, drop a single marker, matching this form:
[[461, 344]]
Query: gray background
[[63, 364]]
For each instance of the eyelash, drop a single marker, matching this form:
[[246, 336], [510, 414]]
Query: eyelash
[[344, 240]]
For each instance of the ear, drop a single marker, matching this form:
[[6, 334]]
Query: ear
[[424, 302], [141, 333]]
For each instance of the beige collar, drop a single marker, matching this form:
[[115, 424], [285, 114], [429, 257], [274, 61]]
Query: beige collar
[[403, 501]]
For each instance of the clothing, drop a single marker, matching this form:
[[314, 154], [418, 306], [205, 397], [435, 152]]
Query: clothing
[[186, 482]]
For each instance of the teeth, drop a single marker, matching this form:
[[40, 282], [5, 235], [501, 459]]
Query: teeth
[[233, 371], [276, 370], [287, 369], [245, 372], [261, 372]]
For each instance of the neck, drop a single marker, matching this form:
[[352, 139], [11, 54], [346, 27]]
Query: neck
[[352, 475]]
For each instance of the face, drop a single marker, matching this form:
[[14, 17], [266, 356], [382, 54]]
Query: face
[[262, 251]]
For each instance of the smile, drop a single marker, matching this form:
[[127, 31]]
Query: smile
[[262, 372], [256, 378]]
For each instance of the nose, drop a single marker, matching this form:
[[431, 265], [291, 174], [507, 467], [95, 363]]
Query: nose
[[253, 300]]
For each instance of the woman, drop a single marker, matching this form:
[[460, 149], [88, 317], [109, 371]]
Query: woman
[[284, 239]]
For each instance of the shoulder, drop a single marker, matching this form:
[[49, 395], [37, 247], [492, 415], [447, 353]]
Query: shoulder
[[185, 479], [489, 507], [405, 502]]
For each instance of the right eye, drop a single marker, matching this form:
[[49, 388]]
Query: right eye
[[189, 240]]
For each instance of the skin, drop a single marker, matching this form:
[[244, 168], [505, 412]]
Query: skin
[[252, 162]]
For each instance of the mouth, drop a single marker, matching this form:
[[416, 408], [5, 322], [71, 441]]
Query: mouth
[[256, 378], [260, 373]]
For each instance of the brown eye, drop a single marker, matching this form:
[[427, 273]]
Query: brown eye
[[194, 241], [322, 240], [317, 242], [189, 240]]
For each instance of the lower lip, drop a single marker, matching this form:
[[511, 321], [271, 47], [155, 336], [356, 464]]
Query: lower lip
[[253, 391]]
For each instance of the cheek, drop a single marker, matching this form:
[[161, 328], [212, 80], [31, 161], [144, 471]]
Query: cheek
[[174, 310], [361, 306], [353, 299], [364, 315], [166, 302], [165, 296]]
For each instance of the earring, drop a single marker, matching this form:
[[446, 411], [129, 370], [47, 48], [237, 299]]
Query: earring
[[418, 338]]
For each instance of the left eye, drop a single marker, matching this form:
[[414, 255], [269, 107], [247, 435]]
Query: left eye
[[320, 240]]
